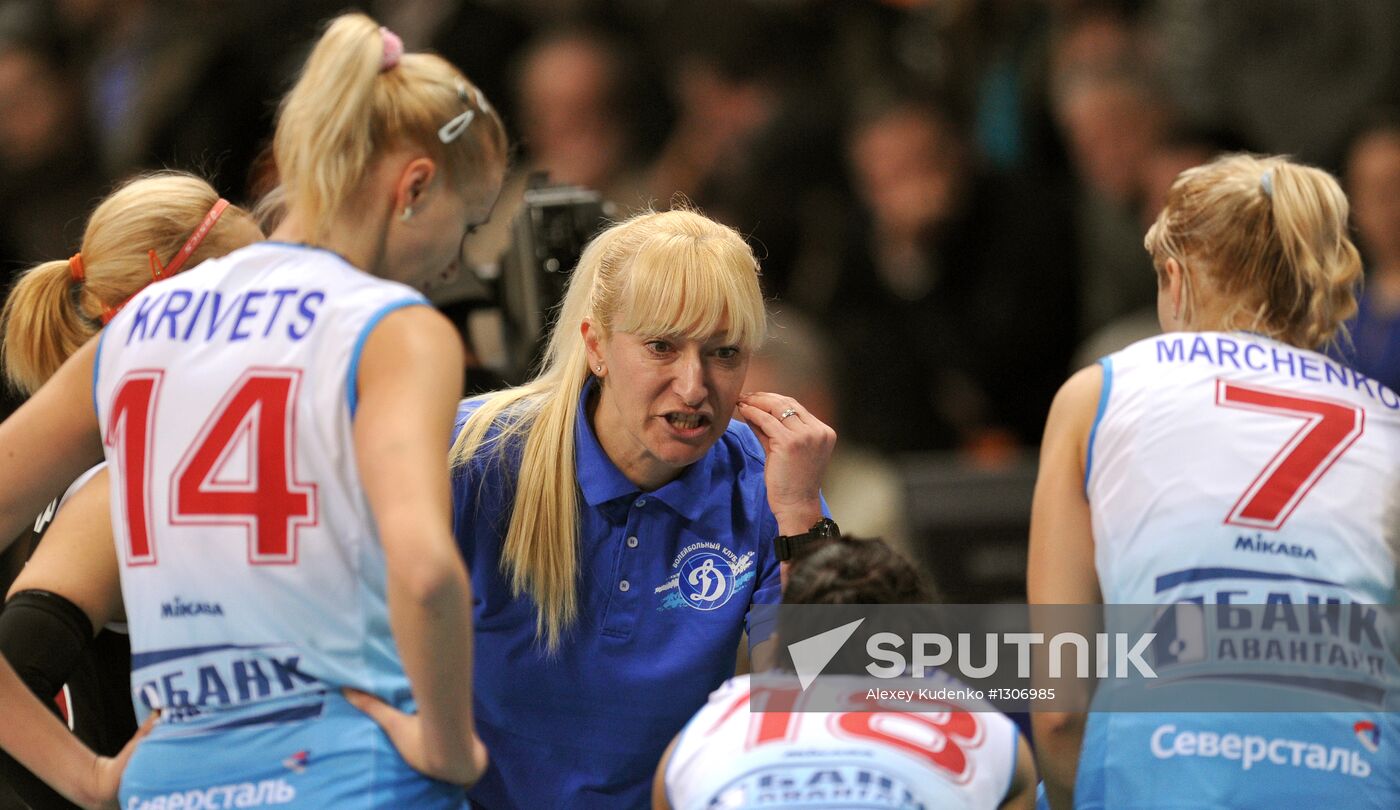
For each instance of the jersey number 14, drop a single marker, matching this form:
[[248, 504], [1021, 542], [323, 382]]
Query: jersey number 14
[[239, 471]]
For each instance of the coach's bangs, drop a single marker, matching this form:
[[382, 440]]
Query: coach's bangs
[[697, 288]]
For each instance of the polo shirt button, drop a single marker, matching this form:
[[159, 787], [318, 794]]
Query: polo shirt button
[[631, 542], [624, 586], [641, 501]]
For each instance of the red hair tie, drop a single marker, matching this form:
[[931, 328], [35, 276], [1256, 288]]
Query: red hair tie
[[159, 272], [191, 245], [75, 268]]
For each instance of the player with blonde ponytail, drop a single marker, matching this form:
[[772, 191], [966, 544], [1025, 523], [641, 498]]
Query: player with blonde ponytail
[[299, 615], [1226, 462], [149, 228], [57, 306]]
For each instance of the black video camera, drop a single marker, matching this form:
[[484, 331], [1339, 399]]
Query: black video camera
[[514, 301]]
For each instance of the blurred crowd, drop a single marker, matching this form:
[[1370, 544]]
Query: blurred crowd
[[949, 196]]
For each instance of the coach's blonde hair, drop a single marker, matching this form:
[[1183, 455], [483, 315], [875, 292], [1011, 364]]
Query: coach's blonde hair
[[1270, 237], [673, 273], [49, 315], [345, 111]]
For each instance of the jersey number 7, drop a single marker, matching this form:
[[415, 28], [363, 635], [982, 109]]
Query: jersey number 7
[[239, 470], [1328, 429]]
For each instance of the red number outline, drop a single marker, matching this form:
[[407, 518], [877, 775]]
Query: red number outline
[[295, 523], [951, 724], [959, 731], [773, 718], [1329, 428], [119, 429]]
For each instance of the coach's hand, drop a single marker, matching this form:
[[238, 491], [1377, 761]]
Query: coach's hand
[[406, 732], [798, 446]]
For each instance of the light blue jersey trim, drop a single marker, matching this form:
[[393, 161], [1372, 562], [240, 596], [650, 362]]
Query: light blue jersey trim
[[353, 376], [97, 369], [1107, 363]]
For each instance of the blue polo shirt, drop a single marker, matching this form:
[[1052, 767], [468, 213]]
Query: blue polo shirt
[[666, 579]]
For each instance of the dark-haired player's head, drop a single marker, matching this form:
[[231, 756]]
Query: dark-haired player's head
[[854, 571], [849, 571]]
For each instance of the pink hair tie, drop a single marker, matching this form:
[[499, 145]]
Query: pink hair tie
[[393, 50]]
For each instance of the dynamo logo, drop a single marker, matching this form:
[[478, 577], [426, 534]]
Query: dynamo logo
[[1368, 734], [706, 580]]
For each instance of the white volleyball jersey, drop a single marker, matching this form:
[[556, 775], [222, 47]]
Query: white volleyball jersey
[[250, 562], [1235, 469], [729, 756], [1237, 463]]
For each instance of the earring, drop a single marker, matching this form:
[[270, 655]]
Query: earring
[[598, 369], [407, 213]]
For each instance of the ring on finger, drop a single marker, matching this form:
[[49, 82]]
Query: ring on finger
[[789, 412]]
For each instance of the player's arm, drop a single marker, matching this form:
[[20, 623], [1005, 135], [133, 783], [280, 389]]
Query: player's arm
[[409, 382], [65, 594], [1060, 569], [659, 800], [46, 444], [1021, 794], [78, 558]]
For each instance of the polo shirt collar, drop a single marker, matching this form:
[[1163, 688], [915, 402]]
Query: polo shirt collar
[[602, 482]]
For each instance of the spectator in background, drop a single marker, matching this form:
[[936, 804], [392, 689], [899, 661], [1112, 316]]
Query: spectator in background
[[1112, 121], [1373, 181], [482, 37], [48, 175], [185, 85], [725, 85], [954, 309], [577, 102], [1255, 67], [47, 171], [1177, 152], [755, 135], [860, 485]]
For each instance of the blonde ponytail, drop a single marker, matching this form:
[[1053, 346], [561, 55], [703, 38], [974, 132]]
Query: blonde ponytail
[[350, 105], [323, 142], [1316, 295], [42, 325], [1271, 238], [53, 309]]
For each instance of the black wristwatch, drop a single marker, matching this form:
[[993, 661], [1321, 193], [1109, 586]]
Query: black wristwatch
[[786, 545]]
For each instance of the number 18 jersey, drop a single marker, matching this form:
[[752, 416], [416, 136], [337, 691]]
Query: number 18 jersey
[[757, 744], [250, 562]]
